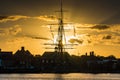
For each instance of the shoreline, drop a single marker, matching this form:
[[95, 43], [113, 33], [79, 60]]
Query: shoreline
[[32, 71]]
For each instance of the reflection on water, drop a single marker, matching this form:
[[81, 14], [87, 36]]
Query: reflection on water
[[71, 76]]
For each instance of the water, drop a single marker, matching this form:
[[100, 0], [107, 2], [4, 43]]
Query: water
[[71, 76]]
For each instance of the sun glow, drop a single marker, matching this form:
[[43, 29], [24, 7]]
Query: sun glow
[[65, 39]]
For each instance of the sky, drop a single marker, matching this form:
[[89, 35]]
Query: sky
[[26, 23]]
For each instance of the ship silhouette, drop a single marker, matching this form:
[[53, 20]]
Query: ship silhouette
[[58, 57]]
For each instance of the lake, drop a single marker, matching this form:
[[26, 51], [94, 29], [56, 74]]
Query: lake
[[70, 76]]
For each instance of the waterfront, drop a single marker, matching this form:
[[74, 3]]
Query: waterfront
[[70, 76]]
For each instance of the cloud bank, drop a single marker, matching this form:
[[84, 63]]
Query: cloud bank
[[12, 18]]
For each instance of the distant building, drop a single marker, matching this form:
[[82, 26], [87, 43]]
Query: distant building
[[23, 58], [5, 54], [6, 58]]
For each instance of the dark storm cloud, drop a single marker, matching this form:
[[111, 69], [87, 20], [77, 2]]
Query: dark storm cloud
[[100, 27], [29, 7], [107, 37], [84, 11], [36, 37], [43, 38], [3, 17], [97, 11], [76, 40], [79, 41]]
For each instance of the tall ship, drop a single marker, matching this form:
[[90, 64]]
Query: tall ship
[[59, 56]]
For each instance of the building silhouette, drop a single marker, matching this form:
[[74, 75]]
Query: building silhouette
[[22, 61], [23, 58], [6, 58]]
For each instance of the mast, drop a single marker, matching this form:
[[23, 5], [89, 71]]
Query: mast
[[60, 46], [60, 30]]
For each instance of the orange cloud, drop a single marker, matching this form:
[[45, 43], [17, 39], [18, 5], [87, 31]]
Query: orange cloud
[[47, 18], [12, 18]]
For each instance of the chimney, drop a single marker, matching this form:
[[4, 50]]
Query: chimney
[[86, 54], [22, 48], [90, 54]]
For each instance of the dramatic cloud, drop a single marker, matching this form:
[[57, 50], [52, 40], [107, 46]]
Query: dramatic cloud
[[12, 18], [47, 18], [99, 34], [100, 27], [37, 37], [76, 40], [3, 17], [107, 37], [104, 39]]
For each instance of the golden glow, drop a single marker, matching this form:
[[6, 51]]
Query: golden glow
[[50, 18], [22, 36]]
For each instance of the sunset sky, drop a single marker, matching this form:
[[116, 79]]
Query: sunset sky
[[26, 23]]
